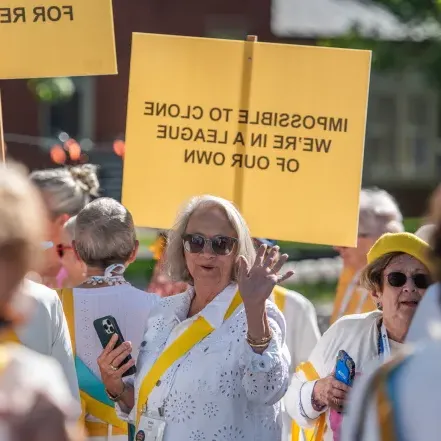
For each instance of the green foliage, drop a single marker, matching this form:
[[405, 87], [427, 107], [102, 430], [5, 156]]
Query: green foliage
[[422, 55]]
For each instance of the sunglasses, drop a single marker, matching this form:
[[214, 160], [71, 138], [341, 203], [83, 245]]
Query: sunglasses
[[398, 279], [221, 245], [61, 249]]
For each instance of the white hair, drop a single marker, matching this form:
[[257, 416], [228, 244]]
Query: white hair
[[379, 213], [174, 254], [69, 190], [426, 232], [69, 227], [104, 233]]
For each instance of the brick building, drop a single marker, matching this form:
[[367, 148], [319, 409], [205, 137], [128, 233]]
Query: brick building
[[97, 111]]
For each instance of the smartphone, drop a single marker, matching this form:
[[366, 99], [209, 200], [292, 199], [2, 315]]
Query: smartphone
[[105, 327], [344, 368]]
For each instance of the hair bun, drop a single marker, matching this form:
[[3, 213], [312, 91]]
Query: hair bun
[[86, 178]]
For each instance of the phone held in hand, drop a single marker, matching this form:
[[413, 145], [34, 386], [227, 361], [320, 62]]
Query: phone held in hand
[[106, 327], [344, 368]]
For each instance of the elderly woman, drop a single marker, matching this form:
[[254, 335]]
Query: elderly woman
[[105, 241], [397, 277], [66, 191], [34, 396], [379, 214], [399, 400], [213, 364]]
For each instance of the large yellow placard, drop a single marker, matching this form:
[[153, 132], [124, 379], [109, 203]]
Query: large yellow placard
[[278, 129], [54, 38]]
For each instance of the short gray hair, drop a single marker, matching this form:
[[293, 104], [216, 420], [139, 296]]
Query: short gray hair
[[69, 190], [174, 254], [104, 233], [69, 226], [379, 213]]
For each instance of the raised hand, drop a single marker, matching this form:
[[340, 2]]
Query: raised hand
[[256, 282]]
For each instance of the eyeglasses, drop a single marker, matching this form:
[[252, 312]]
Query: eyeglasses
[[398, 279], [221, 245], [61, 249]]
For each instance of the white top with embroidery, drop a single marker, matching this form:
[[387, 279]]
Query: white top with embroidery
[[220, 390]]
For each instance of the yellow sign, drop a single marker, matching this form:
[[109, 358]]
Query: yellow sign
[[278, 129], [54, 38]]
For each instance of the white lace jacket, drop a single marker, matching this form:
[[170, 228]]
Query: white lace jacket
[[220, 390]]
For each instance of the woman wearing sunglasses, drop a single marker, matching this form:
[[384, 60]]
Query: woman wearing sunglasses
[[213, 364], [397, 276]]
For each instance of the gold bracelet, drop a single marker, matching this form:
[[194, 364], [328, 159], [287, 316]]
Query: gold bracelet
[[262, 341], [253, 345]]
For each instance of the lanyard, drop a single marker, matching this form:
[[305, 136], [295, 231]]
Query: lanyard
[[383, 343], [348, 294], [194, 334]]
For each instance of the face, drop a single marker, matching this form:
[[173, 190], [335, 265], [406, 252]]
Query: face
[[357, 257], [207, 267], [405, 281], [74, 267]]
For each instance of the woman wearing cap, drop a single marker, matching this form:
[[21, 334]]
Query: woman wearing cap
[[397, 276]]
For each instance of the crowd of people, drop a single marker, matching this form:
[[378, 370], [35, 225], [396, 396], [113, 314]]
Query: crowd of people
[[215, 348]]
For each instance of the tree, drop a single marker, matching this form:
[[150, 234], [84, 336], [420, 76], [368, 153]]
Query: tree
[[423, 55]]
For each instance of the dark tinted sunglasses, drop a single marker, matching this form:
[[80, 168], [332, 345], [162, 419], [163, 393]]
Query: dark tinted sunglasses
[[398, 279], [61, 249], [221, 245]]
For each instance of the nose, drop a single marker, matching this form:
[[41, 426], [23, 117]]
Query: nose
[[208, 249], [409, 286]]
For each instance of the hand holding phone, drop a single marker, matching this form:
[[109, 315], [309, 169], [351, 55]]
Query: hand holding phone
[[106, 327], [344, 368]]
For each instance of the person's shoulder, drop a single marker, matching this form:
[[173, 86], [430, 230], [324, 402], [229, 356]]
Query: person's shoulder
[[294, 298], [145, 298], [41, 293], [353, 322]]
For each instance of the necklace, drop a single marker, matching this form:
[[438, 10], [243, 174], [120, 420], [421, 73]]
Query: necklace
[[113, 275]]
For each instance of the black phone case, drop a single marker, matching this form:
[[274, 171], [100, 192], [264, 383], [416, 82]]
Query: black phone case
[[106, 334]]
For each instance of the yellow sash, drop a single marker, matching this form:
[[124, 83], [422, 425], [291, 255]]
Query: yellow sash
[[279, 294], [194, 334], [88, 403], [316, 433], [10, 336]]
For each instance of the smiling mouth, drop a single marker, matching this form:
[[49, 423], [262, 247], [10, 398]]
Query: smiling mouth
[[413, 303]]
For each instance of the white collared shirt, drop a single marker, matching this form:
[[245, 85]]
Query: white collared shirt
[[220, 390]]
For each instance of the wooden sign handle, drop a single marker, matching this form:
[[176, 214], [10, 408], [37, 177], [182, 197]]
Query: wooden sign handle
[[252, 38], [2, 138]]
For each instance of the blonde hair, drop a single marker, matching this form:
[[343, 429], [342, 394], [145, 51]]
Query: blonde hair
[[174, 254], [69, 189]]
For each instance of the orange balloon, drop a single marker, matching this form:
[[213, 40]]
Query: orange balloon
[[57, 154], [119, 147]]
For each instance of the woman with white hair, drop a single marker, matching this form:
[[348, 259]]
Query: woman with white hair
[[66, 191], [35, 399], [105, 241], [213, 364], [379, 214]]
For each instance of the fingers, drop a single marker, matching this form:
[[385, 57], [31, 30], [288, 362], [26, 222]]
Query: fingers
[[271, 257], [260, 255], [125, 367], [279, 264], [285, 276], [338, 385], [243, 268], [121, 357], [109, 347]]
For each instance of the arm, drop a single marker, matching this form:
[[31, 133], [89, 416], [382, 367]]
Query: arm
[[266, 373]]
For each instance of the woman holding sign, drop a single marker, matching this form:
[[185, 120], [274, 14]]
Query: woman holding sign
[[396, 277], [213, 364]]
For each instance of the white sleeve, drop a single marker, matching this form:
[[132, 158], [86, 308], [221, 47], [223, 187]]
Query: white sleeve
[[303, 327], [62, 349]]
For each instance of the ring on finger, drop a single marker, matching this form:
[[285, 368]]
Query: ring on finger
[[113, 368]]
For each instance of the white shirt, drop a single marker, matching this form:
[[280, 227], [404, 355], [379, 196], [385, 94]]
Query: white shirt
[[26, 375], [302, 334], [128, 305], [47, 333], [220, 390], [426, 322], [357, 334]]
